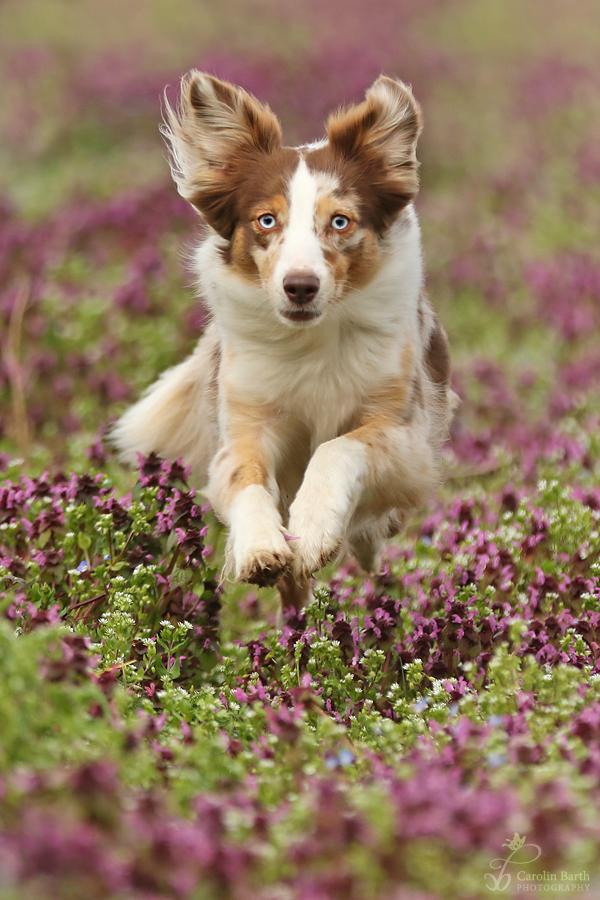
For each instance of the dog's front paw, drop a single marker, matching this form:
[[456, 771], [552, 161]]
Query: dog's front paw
[[317, 538], [257, 551], [263, 562], [264, 568], [312, 554]]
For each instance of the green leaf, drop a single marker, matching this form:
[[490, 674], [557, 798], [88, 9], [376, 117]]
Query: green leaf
[[84, 540]]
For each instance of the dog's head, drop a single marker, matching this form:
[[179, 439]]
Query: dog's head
[[308, 224]]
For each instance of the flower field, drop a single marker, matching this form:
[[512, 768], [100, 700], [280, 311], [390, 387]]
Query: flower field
[[160, 737]]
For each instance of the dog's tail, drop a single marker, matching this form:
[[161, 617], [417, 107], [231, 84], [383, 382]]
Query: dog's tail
[[177, 416]]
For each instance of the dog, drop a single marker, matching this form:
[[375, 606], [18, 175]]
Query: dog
[[314, 408]]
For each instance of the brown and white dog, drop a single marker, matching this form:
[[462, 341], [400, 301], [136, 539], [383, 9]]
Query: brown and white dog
[[314, 407]]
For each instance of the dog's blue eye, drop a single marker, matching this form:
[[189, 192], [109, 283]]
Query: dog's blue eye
[[340, 223], [268, 222]]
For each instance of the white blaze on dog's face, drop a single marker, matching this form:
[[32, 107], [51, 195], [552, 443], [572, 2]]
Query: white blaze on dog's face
[[293, 266], [307, 224]]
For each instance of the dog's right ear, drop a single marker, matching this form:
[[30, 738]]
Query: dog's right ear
[[214, 127]]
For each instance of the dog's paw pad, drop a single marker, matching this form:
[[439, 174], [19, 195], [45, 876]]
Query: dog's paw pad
[[264, 568]]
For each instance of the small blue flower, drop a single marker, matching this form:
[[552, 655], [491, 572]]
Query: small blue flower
[[496, 759], [83, 566], [346, 757]]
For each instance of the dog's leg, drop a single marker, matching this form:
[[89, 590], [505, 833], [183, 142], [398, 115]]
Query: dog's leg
[[294, 594], [366, 540], [244, 493], [366, 549], [367, 471], [385, 464]]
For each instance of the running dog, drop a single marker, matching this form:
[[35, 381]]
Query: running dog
[[316, 403]]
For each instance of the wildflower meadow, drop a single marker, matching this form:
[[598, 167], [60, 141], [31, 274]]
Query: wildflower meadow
[[429, 734]]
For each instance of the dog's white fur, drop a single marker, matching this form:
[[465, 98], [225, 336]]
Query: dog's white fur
[[307, 403]]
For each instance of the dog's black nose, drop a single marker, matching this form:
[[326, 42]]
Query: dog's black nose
[[301, 288]]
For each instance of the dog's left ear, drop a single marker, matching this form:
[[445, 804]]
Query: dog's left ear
[[387, 123]]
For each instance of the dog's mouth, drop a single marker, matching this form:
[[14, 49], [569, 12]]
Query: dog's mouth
[[301, 315]]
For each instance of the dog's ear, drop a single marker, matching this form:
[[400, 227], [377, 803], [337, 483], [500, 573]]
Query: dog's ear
[[215, 126], [387, 123]]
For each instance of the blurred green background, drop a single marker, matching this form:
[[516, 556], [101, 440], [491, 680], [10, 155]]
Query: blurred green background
[[82, 79], [96, 297]]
